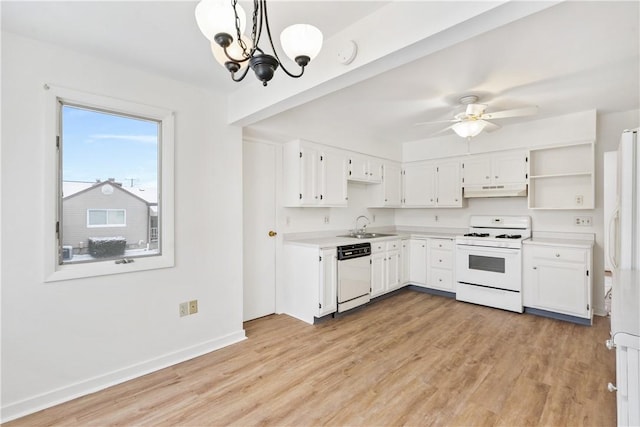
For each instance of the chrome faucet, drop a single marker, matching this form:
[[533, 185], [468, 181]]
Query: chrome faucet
[[362, 230]]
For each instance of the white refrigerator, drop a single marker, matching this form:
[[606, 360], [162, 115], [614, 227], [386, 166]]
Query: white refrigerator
[[624, 223], [624, 257]]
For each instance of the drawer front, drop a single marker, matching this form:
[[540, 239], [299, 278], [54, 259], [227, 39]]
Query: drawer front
[[440, 259], [378, 247], [443, 279], [393, 245], [560, 253], [443, 244]]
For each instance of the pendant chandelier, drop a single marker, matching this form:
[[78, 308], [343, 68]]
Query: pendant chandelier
[[223, 22]]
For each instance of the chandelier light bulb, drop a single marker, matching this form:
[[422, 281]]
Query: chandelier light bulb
[[300, 40], [234, 50], [217, 16]]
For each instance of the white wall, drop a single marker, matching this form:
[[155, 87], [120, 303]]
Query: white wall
[[64, 339]]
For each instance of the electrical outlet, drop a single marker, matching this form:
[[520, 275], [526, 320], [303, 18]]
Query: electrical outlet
[[326, 219], [579, 199], [184, 309], [193, 306], [582, 220]]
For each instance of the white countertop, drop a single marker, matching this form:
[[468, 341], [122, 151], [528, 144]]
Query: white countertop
[[625, 302], [574, 240], [325, 240]]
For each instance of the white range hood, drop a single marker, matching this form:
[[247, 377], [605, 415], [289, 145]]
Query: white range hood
[[506, 190]]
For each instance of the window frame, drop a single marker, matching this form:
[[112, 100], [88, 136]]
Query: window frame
[[54, 97]]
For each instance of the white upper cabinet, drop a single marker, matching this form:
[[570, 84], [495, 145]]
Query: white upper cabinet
[[389, 192], [365, 169], [432, 184], [495, 169], [314, 175], [333, 168], [448, 184], [419, 185]]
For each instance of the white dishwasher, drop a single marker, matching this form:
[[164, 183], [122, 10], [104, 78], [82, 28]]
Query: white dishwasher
[[354, 275]]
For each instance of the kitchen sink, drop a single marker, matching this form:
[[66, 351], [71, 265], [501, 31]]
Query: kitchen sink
[[366, 235]]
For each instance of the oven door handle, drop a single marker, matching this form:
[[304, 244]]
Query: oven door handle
[[469, 248]]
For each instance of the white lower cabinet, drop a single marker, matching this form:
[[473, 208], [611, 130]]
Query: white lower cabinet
[[328, 286], [431, 264], [418, 261], [557, 278], [440, 264], [405, 259], [309, 282], [627, 386], [385, 267]]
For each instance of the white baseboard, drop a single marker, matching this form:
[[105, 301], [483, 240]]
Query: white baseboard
[[46, 400]]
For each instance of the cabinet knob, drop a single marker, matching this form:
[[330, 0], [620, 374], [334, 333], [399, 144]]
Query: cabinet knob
[[557, 255], [487, 177], [386, 200], [439, 245], [431, 200], [610, 345], [439, 260], [440, 280], [611, 387], [535, 268], [496, 176]]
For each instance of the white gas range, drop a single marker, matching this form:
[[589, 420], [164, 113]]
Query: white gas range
[[489, 261]]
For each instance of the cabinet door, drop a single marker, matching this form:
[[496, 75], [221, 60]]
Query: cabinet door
[[392, 183], [418, 261], [375, 170], [358, 168], [334, 179], [404, 261], [449, 185], [476, 171], [393, 270], [509, 168], [328, 298], [419, 185], [561, 287], [378, 278], [309, 185]]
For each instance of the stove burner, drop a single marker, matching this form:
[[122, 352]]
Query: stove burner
[[477, 235], [508, 236]]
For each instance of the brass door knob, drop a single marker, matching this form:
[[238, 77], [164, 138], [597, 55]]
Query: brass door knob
[[272, 233]]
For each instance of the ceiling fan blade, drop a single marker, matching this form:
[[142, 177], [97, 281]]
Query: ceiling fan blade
[[441, 131], [517, 112], [490, 127], [436, 122]]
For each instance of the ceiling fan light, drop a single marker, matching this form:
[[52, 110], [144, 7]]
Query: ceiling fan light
[[217, 16], [469, 129], [234, 50], [301, 40]]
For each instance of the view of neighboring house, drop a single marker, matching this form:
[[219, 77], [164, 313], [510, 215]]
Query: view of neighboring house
[[106, 209]]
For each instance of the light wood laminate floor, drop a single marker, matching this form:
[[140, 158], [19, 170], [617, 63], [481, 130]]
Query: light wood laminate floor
[[410, 359]]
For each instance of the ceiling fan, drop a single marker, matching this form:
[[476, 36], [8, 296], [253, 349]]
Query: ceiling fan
[[474, 119]]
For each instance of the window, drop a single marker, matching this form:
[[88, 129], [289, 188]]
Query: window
[[107, 218], [113, 169]]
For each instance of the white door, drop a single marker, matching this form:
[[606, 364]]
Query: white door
[[610, 185], [259, 253]]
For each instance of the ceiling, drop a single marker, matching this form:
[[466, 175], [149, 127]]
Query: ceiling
[[575, 56]]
